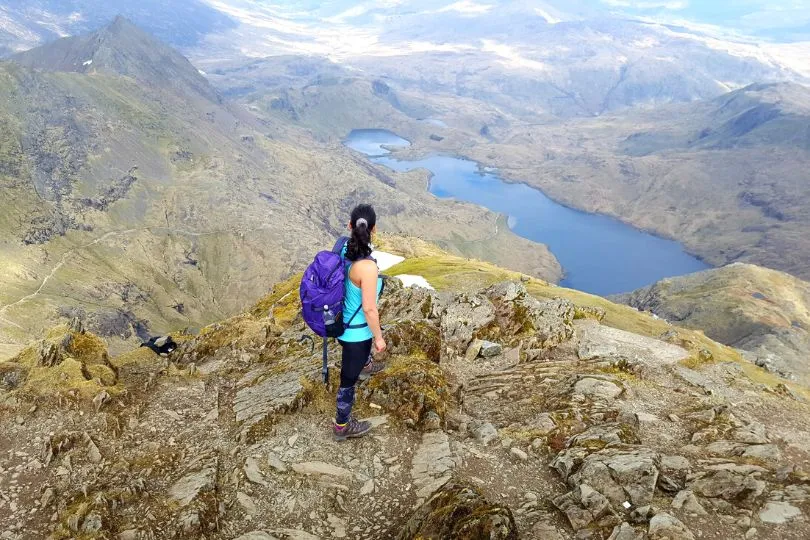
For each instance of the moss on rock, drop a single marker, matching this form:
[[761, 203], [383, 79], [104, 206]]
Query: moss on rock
[[65, 362], [415, 339], [461, 512], [410, 387]]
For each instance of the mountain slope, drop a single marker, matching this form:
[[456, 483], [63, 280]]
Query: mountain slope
[[726, 176], [120, 48], [759, 115], [147, 206], [759, 310], [25, 24]]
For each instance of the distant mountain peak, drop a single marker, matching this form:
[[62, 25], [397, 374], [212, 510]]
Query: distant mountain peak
[[121, 48]]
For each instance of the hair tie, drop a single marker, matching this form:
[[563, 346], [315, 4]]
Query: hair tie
[[361, 221]]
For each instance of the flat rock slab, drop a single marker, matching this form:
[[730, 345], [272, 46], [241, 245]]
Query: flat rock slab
[[432, 464], [377, 421], [621, 475], [189, 487], [667, 527], [778, 512], [597, 389], [597, 341], [278, 393], [253, 473], [246, 502], [319, 468]]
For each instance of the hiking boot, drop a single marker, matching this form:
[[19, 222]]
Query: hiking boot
[[372, 368], [351, 429]]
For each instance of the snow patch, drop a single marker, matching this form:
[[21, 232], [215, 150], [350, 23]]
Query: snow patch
[[414, 281], [386, 260], [510, 57], [550, 19], [87, 63], [466, 7]]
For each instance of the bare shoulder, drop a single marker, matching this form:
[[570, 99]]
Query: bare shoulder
[[367, 268]]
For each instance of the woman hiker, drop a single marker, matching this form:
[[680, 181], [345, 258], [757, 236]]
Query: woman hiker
[[362, 290]]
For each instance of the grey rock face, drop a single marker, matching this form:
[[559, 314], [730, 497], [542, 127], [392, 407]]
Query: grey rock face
[[483, 432], [490, 349], [546, 324], [765, 452], [256, 402], [736, 485], [584, 506], [253, 473], [597, 390], [625, 531], [687, 501], [620, 475], [319, 468], [674, 470], [462, 318]]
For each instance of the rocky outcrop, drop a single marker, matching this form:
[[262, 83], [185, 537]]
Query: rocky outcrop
[[506, 314], [413, 389], [667, 527], [761, 311]]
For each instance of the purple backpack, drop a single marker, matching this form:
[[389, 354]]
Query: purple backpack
[[322, 290]]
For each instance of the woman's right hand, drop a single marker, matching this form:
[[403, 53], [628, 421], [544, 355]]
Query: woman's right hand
[[379, 345]]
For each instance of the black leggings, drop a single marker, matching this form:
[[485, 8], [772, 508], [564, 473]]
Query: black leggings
[[355, 356]]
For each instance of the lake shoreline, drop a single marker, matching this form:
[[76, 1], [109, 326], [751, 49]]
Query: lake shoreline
[[504, 175], [599, 253]]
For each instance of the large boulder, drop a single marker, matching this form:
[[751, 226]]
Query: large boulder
[[586, 508], [460, 512], [738, 483], [463, 318], [620, 474]]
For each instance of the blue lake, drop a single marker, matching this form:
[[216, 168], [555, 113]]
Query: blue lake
[[599, 254]]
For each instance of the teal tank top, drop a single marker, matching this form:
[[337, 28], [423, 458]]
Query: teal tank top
[[353, 301]]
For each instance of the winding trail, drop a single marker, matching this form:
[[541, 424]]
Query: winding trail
[[56, 268], [66, 256]]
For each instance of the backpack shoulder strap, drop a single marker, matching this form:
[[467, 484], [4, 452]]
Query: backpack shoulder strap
[[340, 244]]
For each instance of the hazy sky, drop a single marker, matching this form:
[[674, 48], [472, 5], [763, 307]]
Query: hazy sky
[[751, 16], [775, 19]]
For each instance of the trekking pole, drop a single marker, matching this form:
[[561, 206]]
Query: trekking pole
[[325, 369]]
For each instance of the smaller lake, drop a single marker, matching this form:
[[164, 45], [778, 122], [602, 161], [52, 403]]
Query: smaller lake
[[599, 254]]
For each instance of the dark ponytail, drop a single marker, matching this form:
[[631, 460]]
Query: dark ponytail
[[359, 246]]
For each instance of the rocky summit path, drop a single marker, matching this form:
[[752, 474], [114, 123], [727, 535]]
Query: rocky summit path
[[498, 416]]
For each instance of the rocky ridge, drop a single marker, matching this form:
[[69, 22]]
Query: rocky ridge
[[571, 428], [763, 312]]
